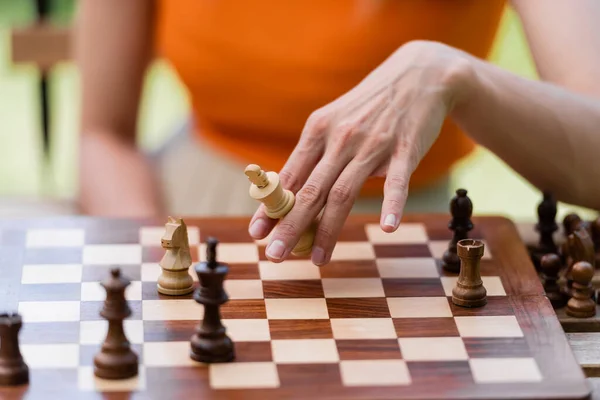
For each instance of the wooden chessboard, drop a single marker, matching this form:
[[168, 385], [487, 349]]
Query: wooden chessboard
[[375, 323]]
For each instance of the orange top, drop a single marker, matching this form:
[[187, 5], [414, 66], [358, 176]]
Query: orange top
[[256, 70]]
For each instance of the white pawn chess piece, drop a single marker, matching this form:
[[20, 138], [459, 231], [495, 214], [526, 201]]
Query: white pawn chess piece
[[175, 279]]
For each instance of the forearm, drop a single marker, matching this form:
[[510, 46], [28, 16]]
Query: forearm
[[547, 134], [115, 178]]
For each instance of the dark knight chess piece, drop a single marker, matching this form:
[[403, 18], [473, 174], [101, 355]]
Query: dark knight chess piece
[[13, 370], [116, 359], [461, 209], [210, 344], [551, 266]]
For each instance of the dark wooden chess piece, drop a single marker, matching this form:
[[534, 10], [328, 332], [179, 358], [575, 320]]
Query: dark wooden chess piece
[[581, 304], [551, 266], [469, 290], [116, 359], [595, 229], [13, 370], [579, 247], [210, 344], [546, 227], [461, 209]]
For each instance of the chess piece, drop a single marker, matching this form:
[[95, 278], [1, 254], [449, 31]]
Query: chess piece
[[266, 188], [595, 229], [551, 266], [581, 304], [116, 359], [547, 225], [210, 344], [469, 290], [461, 209], [175, 279], [579, 248], [13, 370], [572, 222]]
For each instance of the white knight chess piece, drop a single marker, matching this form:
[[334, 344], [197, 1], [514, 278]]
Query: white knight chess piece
[[175, 279]]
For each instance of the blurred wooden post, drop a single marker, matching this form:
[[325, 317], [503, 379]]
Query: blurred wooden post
[[42, 45]]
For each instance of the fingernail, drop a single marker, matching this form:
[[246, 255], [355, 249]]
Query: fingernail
[[390, 220], [276, 249], [318, 256], [258, 229]]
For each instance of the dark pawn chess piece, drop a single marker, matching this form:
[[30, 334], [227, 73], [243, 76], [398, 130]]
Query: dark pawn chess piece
[[116, 359], [13, 370], [210, 344], [551, 266], [581, 304], [469, 290], [547, 225], [461, 209]]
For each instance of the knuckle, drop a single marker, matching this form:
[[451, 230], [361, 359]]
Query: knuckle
[[317, 122], [345, 133], [325, 234], [286, 230], [340, 194], [288, 179], [310, 196], [396, 183]]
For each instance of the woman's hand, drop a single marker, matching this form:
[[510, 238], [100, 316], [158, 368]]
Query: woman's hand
[[382, 127]]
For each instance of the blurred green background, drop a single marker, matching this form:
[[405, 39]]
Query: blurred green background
[[493, 187]]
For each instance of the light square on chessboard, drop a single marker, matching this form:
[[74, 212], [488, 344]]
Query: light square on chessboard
[[231, 253], [488, 326], [505, 370], [87, 381], [438, 247], [289, 269], [152, 235], [94, 332], [244, 375], [352, 251], [51, 273], [55, 238], [419, 307], [103, 254], [493, 285], [410, 267], [299, 351], [150, 272], [168, 354], [244, 288], [50, 355], [93, 291], [161, 310], [246, 330], [363, 328], [296, 309], [433, 349], [352, 287], [407, 233], [49, 311], [374, 373]]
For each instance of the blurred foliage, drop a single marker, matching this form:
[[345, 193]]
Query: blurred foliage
[[19, 12]]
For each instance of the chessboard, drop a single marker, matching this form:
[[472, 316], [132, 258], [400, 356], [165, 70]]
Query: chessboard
[[376, 322]]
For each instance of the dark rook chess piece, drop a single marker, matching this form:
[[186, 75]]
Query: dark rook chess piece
[[210, 344], [116, 359], [461, 209], [13, 370], [581, 304], [551, 266], [469, 290]]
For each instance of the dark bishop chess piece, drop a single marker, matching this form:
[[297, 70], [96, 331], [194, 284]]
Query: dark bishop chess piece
[[13, 370], [210, 344], [469, 290], [551, 266], [581, 304], [461, 209], [116, 359]]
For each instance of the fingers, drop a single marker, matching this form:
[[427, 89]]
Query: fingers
[[309, 202], [295, 172], [339, 204], [395, 192]]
